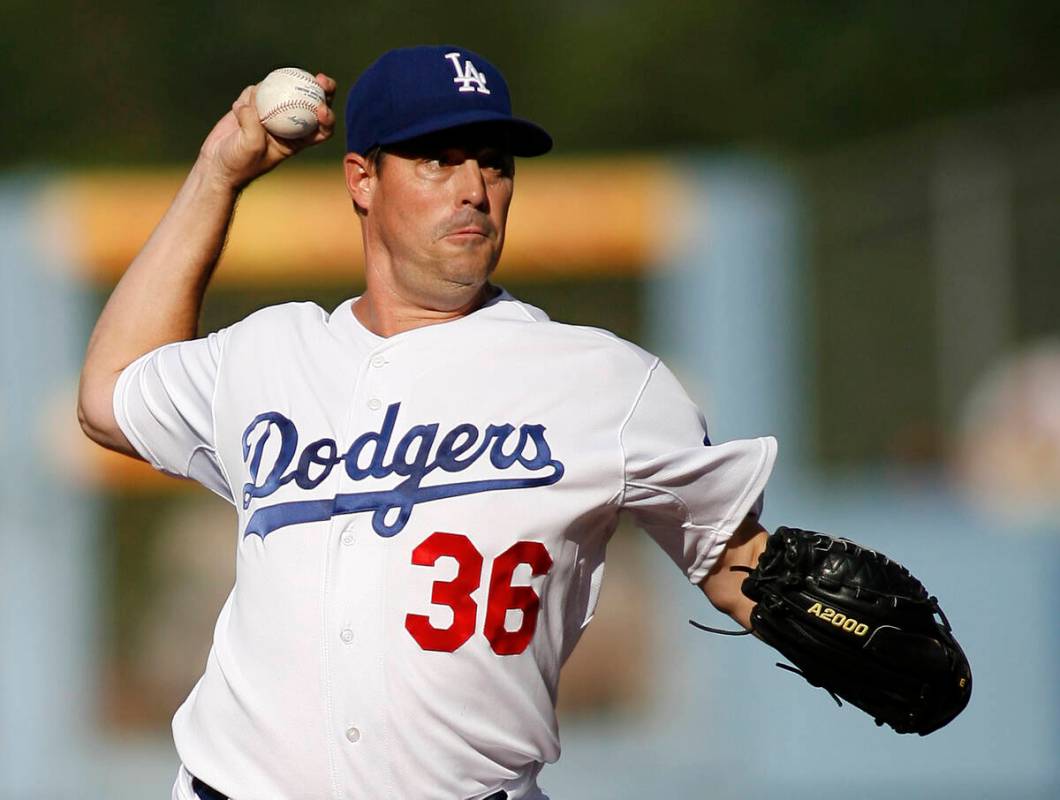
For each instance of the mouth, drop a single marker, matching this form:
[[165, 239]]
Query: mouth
[[467, 234]]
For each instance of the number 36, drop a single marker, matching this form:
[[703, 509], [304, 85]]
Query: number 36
[[456, 594]]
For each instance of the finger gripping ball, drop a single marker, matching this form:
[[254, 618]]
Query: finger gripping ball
[[286, 102]]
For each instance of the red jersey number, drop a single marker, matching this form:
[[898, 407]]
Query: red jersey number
[[455, 593], [501, 597]]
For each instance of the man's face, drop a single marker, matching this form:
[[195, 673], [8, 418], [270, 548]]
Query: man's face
[[438, 207]]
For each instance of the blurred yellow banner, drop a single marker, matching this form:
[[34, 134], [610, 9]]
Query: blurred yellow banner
[[584, 217]]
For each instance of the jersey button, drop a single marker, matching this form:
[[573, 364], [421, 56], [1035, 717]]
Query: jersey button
[[347, 538], [375, 404], [346, 635], [378, 361], [353, 735]]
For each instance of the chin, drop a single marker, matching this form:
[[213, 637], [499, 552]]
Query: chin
[[469, 278], [468, 272]]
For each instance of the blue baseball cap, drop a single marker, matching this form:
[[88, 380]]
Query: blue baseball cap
[[413, 91]]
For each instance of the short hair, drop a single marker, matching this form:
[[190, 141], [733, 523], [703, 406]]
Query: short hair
[[374, 156]]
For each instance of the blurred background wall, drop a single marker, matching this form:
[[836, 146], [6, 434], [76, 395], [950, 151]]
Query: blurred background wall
[[839, 223]]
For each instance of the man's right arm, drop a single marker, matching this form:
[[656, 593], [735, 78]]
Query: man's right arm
[[158, 299]]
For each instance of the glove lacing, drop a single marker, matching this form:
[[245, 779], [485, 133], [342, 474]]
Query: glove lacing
[[747, 632], [722, 631]]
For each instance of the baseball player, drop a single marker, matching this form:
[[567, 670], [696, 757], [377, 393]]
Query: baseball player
[[425, 477]]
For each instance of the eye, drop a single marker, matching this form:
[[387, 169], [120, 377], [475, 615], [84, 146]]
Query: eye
[[496, 162], [439, 163], [434, 161]]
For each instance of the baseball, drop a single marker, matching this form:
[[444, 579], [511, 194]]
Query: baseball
[[286, 101]]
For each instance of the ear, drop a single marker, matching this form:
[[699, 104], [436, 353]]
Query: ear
[[360, 180]]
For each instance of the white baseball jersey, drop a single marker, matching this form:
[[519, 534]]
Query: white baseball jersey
[[422, 521]]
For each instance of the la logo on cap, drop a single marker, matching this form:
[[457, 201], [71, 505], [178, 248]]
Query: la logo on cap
[[467, 75]]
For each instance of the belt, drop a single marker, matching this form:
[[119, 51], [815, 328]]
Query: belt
[[206, 792]]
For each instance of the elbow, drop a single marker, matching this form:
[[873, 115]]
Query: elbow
[[87, 420], [95, 414], [82, 418]]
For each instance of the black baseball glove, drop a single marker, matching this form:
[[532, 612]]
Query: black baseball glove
[[858, 625]]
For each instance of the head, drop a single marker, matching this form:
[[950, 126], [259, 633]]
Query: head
[[430, 168]]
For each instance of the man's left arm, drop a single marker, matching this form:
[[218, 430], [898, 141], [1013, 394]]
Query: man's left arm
[[851, 620], [722, 586]]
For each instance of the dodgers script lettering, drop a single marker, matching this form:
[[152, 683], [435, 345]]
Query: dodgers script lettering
[[417, 453]]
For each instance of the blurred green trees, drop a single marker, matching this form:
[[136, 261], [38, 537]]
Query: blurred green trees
[[117, 81]]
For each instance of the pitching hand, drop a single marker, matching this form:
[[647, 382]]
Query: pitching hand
[[239, 149]]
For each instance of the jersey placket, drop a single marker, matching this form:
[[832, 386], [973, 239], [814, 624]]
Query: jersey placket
[[354, 626]]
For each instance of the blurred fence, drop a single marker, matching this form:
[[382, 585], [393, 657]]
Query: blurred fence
[[934, 255]]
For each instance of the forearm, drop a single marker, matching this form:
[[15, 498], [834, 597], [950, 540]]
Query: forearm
[[723, 585], [159, 297]]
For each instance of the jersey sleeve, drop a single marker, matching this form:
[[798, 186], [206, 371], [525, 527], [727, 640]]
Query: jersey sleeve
[[687, 494], [163, 403]]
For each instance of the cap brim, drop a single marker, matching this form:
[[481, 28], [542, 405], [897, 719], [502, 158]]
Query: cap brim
[[525, 138]]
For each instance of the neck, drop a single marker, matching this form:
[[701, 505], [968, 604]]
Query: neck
[[385, 313]]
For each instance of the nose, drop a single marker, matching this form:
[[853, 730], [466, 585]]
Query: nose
[[471, 185]]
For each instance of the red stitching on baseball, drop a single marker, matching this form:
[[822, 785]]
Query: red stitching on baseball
[[287, 105]]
